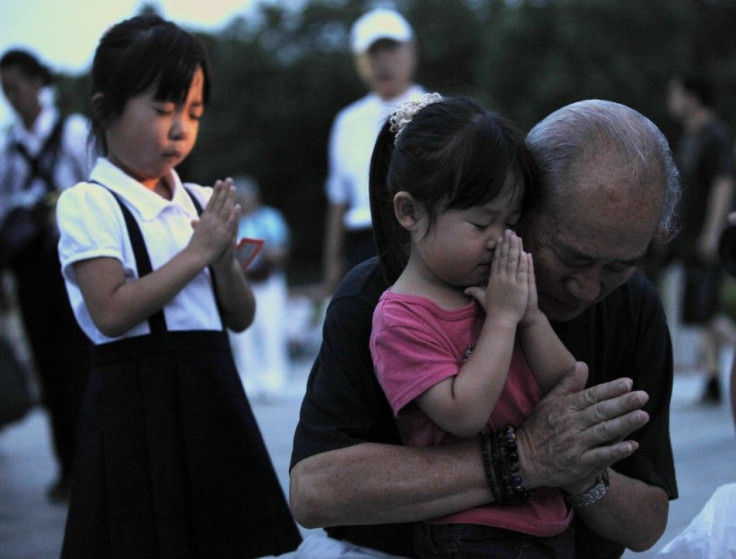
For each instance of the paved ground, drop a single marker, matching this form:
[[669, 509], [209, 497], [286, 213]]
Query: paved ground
[[30, 528]]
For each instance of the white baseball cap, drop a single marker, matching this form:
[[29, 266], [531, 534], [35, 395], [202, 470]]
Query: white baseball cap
[[379, 24]]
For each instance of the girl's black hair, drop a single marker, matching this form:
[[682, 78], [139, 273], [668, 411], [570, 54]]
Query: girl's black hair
[[28, 64], [454, 154], [136, 54]]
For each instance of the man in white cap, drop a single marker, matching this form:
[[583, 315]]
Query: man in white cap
[[385, 58]]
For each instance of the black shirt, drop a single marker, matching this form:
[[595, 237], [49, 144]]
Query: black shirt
[[624, 335]]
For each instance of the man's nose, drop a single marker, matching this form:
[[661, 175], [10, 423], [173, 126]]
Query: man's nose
[[585, 286]]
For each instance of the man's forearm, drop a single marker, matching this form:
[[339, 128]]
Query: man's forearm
[[632, 513], [377, 483]]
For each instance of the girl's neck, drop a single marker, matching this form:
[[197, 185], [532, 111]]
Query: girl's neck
[[160, 186], [446, 296], [164, 189]]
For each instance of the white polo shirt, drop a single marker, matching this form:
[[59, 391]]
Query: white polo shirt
[[92, 226], [352, 139]]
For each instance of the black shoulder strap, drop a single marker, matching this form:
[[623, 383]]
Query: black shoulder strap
[[193, 198], [48, 155], [157, 321]]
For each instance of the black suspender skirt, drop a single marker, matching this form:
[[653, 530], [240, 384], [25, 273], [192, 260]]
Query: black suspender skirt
[[171, 463]]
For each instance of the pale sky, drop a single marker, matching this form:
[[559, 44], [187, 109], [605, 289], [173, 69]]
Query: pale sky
[[64, 33]]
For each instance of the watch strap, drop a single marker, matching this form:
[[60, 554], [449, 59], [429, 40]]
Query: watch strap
[[592, 495]]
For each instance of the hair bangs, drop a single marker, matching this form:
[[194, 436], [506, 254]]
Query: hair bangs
[[490, 155], [182, 58]]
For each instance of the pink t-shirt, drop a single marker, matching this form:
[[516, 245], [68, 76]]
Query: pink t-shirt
[[415, 344]]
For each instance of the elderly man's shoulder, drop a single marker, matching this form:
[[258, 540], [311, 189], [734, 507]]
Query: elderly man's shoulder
[[640, 285], [364, 282]]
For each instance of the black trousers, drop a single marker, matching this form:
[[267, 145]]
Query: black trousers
[[60, 350]]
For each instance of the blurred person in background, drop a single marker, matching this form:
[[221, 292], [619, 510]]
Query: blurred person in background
[[705, 159], [261, 351], [385, 51], [727, 256], [42, 154]]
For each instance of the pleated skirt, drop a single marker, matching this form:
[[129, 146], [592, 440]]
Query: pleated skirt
[[171, 463]]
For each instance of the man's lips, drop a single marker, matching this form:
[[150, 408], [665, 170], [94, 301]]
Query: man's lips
[[559, 304]]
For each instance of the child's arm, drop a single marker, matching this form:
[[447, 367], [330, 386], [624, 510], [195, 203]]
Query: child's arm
[[547, 356], [237, 303], [116, 305], [463, 403]]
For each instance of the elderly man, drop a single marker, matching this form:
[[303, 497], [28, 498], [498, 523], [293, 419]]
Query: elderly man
[[609, 187]]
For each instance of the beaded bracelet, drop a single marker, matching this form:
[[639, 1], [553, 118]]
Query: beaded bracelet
[[501, 465], [512, 483]]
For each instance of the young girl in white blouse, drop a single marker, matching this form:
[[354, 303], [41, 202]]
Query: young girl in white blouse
[[171, 462]]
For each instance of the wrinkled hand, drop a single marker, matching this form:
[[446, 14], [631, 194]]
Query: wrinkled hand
[[573, 434], [507, 292], [215, 232]]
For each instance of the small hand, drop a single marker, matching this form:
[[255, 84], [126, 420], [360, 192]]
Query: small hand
[[215, 233], [507, 292]]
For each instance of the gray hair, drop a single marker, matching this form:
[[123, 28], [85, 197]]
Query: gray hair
[[574, 134]]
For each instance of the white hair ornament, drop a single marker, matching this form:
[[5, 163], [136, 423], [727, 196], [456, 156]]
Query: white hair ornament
[[406, 112]]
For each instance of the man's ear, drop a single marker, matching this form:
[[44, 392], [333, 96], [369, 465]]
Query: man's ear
[[406, 210]]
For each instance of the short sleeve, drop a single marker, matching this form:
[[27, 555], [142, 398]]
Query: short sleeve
[[411, 353], [90, 225]]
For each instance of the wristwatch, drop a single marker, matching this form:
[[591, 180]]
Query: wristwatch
[[592, 495]]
